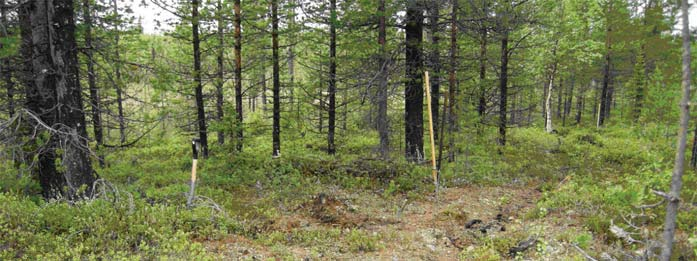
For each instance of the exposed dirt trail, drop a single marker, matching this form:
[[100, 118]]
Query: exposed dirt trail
[[463, 219]]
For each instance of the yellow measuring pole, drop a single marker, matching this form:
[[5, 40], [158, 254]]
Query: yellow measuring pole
[[430, 128]]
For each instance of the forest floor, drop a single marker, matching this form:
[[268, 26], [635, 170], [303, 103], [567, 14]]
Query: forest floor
[[366, 226], [542, 197]]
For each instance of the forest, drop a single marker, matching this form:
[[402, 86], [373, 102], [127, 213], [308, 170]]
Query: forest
[[347, 130]]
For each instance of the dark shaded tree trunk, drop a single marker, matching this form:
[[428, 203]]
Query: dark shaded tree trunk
[[57, 96], [452, 81], [512, 110], [481, 108], [92, 81], [220, 81], [503, 89], [693, 158], [560, 97], [605, 98], [434, 13], [6, 67], [264, 101], [382, 123], [320, 95], [413, 111], [568, 101], [198, 82], [276, 81], [679, 169], [238, 75], [580, 101], [332, 77], [117, 64]]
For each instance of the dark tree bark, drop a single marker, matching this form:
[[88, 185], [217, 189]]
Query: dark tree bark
[[679, 169], [57, 96], [6, 67], [382, 123], [481, 108], [560, 97], [264, 101], [201, 114], [276, 81], [605, 98], [413, 111], [220, 81], [693, 157], [238, 74], [503, 88], [320, 95], [117, 65], [568, 101], [332, 77], [92, 81], [580, 101], [434, 13], [452, 80]]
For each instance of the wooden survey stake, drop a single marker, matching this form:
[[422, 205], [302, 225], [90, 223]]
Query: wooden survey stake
[[430, 128], [194, 148]]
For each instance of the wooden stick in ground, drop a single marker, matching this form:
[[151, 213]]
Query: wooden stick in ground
[[192, 185], [430, 128]]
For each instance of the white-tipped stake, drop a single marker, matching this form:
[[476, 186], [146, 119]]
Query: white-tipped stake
[[194, 163]]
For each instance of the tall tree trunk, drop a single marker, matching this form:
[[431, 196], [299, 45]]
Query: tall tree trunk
[[580, 101], [481, 109], [276, 81], [604, 95], [679, 169], [220, 81], [382, 124], [238, 75], [92, 81], [117, 65], [568, 101], [294, 102], [264, 101], [548, 92], [548, 104], [434, 13], [198, 82], [560, 97], [6, 68], [503, 88], [332, 77], [59, 100], [413, 111], [693, 157], [452, 81], [320, 95]]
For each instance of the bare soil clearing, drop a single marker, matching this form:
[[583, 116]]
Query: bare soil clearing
[[368, 226]]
